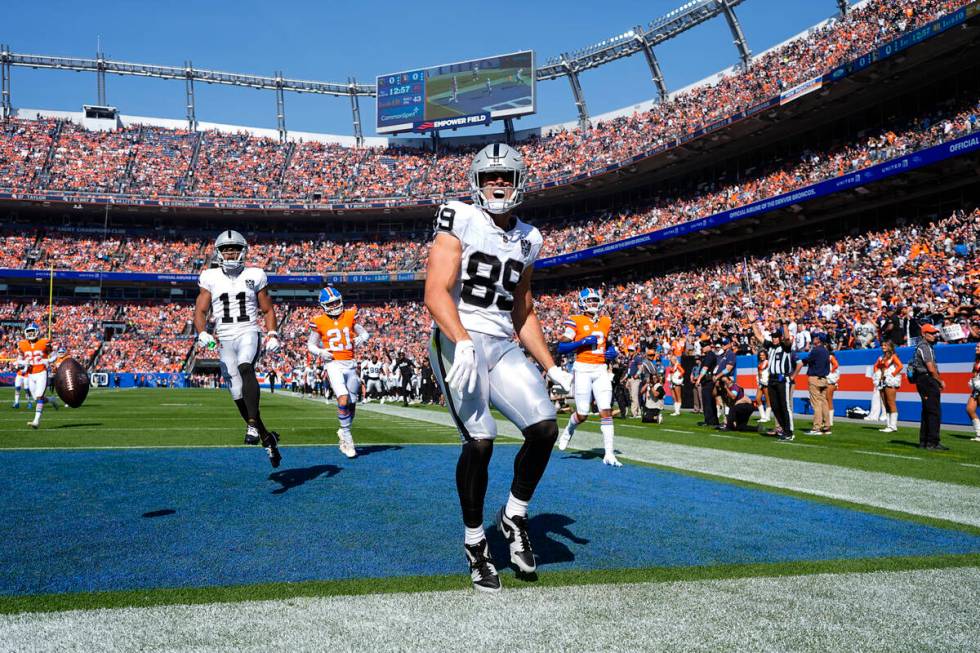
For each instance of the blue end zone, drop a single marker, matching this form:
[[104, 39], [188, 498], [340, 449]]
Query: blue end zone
[[110, 520]]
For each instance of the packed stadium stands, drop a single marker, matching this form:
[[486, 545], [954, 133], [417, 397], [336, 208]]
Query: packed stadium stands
[[150, 161], [764, 179], [932, 268]]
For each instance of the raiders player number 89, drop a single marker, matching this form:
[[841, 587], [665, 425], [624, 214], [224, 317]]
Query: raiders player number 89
[[478, 291]]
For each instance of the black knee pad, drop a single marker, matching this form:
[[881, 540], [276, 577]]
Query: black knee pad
[[544, 432], [246, 370]]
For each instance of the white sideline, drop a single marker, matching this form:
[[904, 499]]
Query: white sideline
[[956, 503], [880, 611]]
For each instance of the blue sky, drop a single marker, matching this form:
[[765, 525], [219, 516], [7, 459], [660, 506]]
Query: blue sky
[[329, 41]]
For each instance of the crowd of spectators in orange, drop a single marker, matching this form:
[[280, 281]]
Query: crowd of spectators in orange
[[929, 270], [152, 162], [172, 253]]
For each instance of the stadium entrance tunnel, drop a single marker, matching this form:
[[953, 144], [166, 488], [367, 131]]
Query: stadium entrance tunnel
[[393, 513]]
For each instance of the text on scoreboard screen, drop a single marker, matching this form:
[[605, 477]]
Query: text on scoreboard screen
[[457, 95]]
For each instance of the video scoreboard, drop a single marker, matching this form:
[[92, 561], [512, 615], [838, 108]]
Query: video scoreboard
[[461, 94]]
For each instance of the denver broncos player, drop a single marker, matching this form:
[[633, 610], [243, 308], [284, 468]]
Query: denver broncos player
[[478, 291], [236, 295], [34, 354], [587, 335], [333, 337]]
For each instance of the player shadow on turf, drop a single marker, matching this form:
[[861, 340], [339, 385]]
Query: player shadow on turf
[[591, 454], [543, 529], [376, 448], [904, 443], [290, 478], [159, 513], [78, 425]]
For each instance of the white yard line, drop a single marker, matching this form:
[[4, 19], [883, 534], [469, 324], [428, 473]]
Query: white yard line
[[880, 611], [948, 501], [886, 455]]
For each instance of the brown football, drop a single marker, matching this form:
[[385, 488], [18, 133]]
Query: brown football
[[71, 382]]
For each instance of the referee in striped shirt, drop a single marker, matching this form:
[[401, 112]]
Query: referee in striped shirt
[[783, 368]]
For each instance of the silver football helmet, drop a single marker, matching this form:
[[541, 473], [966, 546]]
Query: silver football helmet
[[228, 239], [495, 159]]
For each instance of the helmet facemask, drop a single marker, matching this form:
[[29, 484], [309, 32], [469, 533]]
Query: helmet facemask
[[502, 198], [231, 265], [31, 332], [334, 307], [592, 305]]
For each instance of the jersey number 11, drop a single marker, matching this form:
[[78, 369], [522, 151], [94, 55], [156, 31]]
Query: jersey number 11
[[242, 315]]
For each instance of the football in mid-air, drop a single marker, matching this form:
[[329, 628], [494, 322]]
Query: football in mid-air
[[71, 382]]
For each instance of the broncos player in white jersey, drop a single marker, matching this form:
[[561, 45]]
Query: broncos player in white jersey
[[478, 291], [236, 295]]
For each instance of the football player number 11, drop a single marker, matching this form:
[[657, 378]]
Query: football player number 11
[[242, 315]]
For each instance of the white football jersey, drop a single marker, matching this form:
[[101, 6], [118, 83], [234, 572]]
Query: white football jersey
[[373, 369], [492, 263], [234, 304]]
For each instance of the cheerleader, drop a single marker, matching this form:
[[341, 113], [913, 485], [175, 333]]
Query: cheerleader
[[971, 403], [888, 371], [762, 394], [676, 383], [832, 380]]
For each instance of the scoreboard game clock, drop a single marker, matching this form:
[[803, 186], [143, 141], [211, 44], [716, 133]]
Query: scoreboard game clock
[[462, 94], [401, 98]]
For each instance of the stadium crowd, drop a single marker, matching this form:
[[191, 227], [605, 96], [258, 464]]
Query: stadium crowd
[[855, 289], [170, 252], [154, 162]]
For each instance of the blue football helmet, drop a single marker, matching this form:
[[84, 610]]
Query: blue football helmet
[[32, 331], [590, 301], [331, 301]]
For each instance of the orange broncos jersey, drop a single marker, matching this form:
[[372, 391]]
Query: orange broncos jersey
[[337, 334], [581, 326], [35, 353]]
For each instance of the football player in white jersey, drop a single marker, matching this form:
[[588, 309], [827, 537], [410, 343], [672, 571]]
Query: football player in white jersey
[[372, 376], [478, 291], [236, 295]]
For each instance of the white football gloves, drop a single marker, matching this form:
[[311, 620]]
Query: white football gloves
[[560, 378], [206, 340], [462, 375], [272, 344]]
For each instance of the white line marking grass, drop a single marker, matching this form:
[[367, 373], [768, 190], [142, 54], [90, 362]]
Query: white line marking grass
[[886, 455], [880, 611], [948, 501]]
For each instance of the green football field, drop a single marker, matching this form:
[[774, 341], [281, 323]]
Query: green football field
[[145, 503]]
